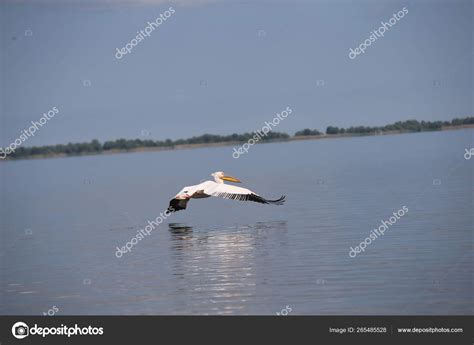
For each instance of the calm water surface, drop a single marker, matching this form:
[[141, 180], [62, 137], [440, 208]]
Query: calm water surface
[[62, 219]]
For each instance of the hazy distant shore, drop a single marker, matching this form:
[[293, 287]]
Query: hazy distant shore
[[234, 143]]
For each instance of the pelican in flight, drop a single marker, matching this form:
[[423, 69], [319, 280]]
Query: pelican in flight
[[219, 189]]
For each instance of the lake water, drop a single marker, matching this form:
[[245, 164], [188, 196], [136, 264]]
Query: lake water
[[62, 219]]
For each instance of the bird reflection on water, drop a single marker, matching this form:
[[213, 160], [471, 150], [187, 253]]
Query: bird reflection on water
[[217, 266]]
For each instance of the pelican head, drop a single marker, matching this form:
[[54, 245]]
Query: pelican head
[[219, 177]]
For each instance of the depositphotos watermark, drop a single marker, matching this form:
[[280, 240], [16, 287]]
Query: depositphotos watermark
[[30, 132], [146, 32], [258, 134], [51, 311], [143, 232], [21, 330], [376, 34], [378, 232], [468, 153], [285, 311]]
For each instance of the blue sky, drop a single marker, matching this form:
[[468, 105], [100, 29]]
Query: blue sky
[[228, 66]]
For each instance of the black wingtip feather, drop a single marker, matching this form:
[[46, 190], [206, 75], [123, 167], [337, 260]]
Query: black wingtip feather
[[258, 198], [279, 201], [177, 205]]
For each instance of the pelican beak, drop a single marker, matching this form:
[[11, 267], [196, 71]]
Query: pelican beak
[[230, 179]]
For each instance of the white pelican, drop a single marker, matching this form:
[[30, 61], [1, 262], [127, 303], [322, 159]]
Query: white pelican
[[219, 189]]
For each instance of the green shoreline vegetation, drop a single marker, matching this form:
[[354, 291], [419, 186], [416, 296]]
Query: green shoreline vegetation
[[131, 145]]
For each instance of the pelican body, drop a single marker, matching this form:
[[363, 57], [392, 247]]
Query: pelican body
[[218, 188]]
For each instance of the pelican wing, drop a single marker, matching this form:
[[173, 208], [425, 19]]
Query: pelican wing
[[177, 204], [227, 191]]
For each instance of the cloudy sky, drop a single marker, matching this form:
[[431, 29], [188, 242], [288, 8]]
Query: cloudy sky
[[228, 66]]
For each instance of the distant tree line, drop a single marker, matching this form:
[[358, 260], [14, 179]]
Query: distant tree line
[[401, 126], [129, 144], [307, 131]]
